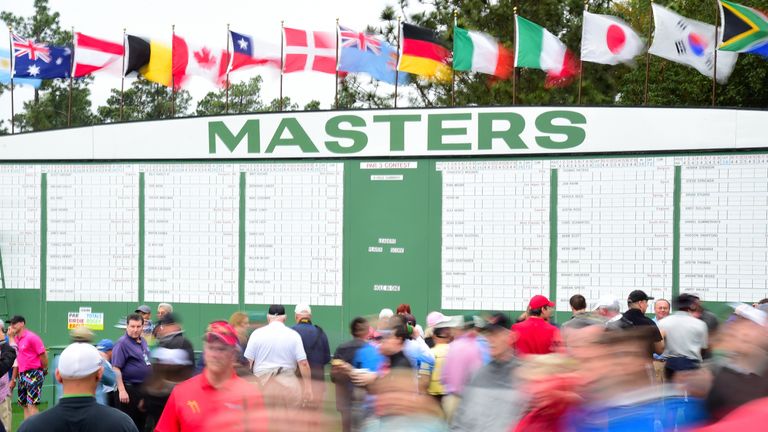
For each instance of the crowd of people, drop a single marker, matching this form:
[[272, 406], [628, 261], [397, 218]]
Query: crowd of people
[[601, 370]]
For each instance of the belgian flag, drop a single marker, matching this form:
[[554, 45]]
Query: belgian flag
[[423, 53], [150, 58]]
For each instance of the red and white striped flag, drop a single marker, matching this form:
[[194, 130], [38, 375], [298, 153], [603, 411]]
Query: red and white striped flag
[[93, 54], [309, 51]]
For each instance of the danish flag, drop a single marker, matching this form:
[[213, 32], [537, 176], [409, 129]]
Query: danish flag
[[307, 50]]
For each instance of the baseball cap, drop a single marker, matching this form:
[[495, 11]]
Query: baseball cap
[[638, 295], [221, 331], [496, 321], [168, 319], [81, 334], [276, 310], [436, 318], [539, 301], [386, 313], [171, 356], [608, 303], [143, 309], [746, 311], [302, 308], [79, 360], [105, 345]]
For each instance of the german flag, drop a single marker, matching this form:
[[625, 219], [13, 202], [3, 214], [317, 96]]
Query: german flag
[[423, 53]]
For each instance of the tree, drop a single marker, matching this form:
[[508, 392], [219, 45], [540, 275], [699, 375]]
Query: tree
[[244, 97], [49, 107], [313, 105], [287, 105], [144, 100]]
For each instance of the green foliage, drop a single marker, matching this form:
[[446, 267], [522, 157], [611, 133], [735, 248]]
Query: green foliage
[[313, 105], [287, 105], [50, 106], [244, 97], [145, 100]]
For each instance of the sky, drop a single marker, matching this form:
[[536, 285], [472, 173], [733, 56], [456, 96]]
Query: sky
[[206, 22]]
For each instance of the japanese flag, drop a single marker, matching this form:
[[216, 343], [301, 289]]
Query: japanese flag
[[609, 40]]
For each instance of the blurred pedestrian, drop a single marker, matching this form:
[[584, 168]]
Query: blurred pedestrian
[[170, 366], [7, 360], [107, 393], [463, 358], [685, 337], [170, 335], [317, 349], [341, 367], [581, 316], [79, 370], [162, 309]]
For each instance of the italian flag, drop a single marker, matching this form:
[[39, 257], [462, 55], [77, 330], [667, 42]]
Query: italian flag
[[480, 52], [537, 48]]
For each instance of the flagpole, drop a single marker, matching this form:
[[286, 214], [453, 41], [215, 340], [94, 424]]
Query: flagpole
[[714, 71], [69, 102], [10, 51], [397, 61], [226, 98], [173, 79], [514, 66], [647, 68], [453, 64], [122, 80], [581, 62], [282, 61], [336, 90]]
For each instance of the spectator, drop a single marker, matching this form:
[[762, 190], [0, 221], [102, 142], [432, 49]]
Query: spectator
[[439, 326], [610, 311], [492, 385], [79, 371], [637, 301], [216, 399], [316, 347], [85, 335], [149, 327], [341, 366], [162, 309], [274, 352], [32, 362], [130, 360], [108, 393], [241, 323], [7, 359], [661, 309], [170, 335], [170, 366], [685, 337], [581, 317], [535, 335], [464, 357], [404, 309]]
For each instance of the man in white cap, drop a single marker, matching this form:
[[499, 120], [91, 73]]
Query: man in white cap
[[316, 347], [79, 370]]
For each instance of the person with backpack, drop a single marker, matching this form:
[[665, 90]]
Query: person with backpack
[[316, 347]]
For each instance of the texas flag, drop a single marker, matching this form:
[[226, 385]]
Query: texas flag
[[248, 51], [309, 51], [609, 40], [191, 59]]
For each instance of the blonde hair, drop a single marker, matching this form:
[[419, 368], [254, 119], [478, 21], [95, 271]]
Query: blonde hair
[[238, 319]]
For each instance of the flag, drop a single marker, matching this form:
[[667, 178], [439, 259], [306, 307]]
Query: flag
[[689, 42], [422, 53], [150, 58], [609, 40], [537, 48], [92, 54], [360, 52], [199, 60], [5, 72], [307, 50], [480, 52], [744, 29], [247, 51], [40, 61]]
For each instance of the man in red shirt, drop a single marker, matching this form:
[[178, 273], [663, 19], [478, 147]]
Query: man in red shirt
[[536, 335], [216, 399]]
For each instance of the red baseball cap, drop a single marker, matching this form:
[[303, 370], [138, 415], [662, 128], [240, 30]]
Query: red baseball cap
[[221, 331], [539, 301]]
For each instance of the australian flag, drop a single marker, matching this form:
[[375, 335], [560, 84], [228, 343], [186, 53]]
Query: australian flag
[[40, 61], [361, 52]]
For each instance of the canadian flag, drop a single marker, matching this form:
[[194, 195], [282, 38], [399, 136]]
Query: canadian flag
[[609, 40], [199, 60], [93, 54], [309, 51]]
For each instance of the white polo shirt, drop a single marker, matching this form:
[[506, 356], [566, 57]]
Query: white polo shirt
[[685, 335], [274, 346]]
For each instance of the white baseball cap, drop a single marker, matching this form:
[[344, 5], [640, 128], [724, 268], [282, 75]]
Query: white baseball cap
[[386, 313], [79, 360], [302, 308]]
